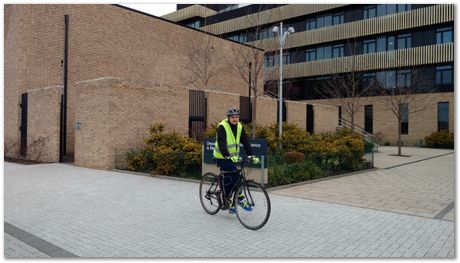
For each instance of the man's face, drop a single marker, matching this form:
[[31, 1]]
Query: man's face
[[234, 119]]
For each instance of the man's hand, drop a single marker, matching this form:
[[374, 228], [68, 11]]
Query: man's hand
[[254, 159], [234, 159]]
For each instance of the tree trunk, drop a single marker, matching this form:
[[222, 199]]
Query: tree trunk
[[352, 125]]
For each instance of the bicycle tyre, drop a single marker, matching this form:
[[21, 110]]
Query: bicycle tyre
[[209, 193], [256, 195]]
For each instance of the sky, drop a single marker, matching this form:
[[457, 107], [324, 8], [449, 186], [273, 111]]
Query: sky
[[153, 9]]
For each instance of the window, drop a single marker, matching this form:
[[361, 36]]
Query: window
[[328, 20], [269, 61], [369, 46], [444, 75], [381, 10], [381, 44], [327, 52], [391, 43], [390, 79], [444, 35], [311, 54], [320, 22], [404, 114], [369, 11], [337, 51], [287, 58], [320, 53], [443, 116], [338, 18], [391, 9], [368, 79], [404, 41], [403, 8], [368, 118], [381, 78], [311, 24], [263, 34], [194, 24], [403, 78]]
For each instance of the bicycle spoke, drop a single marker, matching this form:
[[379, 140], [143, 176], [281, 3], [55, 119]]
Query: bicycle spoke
[[257, 215]]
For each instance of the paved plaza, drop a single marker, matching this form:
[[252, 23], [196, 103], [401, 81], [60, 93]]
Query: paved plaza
[[61, 210]]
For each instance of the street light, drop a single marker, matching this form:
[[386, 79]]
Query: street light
[[282, 39]]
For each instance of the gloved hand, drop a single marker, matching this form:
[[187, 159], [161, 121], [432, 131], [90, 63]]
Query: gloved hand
[[254, 159], [234, 159]]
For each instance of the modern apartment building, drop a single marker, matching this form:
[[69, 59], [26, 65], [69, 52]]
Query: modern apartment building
[[388, 44]]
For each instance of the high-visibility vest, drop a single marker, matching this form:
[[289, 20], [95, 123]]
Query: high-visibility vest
[[233, 144]]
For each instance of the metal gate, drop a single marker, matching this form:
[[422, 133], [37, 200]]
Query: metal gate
[[23, 127], [197, 114]]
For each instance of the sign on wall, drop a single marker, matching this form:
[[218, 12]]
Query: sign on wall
[[259, 148]]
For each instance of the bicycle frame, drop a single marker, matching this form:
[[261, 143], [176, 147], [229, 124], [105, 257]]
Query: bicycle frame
[[241, 181]]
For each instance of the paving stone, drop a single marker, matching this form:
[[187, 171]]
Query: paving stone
[[93, 213]]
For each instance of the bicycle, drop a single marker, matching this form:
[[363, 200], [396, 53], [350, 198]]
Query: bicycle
[[212, 197]]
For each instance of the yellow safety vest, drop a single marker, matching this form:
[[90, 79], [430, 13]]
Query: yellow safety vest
[[233, 144]]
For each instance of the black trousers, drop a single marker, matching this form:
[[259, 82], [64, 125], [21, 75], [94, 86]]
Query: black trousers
[[230, 179]]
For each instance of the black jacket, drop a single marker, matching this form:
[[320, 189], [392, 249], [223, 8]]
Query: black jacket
[[222, 140]]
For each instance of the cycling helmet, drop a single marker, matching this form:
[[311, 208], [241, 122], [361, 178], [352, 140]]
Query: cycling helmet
[[233, 111]]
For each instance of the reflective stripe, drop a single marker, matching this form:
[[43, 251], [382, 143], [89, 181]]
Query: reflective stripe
[[233, 144]]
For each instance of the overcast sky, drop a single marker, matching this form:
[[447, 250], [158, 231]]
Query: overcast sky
[[154, 9]]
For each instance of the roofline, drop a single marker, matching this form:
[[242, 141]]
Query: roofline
[[171, 22]]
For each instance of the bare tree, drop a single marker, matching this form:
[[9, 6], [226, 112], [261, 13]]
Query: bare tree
[[202, 62], [249, 62], [348, 90], [408, 96]]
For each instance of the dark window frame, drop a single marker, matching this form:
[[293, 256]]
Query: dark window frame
[[404, 118], [443, 125], [441, 72]]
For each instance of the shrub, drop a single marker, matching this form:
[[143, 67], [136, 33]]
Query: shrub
[[282, 174], [293, 157], [166, 153], [443, 139], [136, 160]]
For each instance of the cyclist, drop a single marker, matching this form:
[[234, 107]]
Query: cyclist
[[230, 133]]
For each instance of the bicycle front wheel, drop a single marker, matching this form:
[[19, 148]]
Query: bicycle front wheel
[[254, 210], [210, 193]]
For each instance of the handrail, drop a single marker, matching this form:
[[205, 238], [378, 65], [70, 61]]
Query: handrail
[[366, 135]]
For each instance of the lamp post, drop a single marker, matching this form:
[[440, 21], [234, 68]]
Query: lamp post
[[282, 39]]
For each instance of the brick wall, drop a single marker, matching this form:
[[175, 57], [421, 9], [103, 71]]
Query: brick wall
[[218, 104], [385, 125], [296, 113], [104, 41], [43, 124], [115, 116]]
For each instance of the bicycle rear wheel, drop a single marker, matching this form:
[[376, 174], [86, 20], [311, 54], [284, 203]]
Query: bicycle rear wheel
[[210, 193], [259, 203]]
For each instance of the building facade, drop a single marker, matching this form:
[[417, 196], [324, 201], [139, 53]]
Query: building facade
[[392, 46], [53, 53], [83, 83]]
